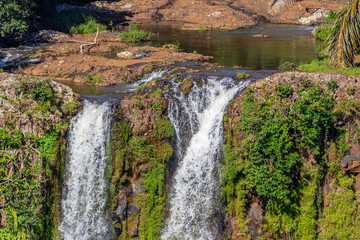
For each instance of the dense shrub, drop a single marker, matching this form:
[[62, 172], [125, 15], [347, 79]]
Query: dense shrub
[[287, 139], [15, 17], [135, 35]]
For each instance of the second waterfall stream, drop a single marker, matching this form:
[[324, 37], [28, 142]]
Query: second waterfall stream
[[195, 206]]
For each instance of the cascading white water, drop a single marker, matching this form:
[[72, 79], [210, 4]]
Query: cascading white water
[[195, 199], [147, 78], [84, 197]]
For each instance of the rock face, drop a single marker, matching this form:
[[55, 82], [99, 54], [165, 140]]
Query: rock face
[[34, 115], [26, 115], [140, 152], [324, 185]]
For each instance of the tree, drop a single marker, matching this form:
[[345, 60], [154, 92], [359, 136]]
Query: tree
[[14, 17], [343, 40]]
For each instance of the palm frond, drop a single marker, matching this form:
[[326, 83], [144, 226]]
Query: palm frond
[[276, 5], [344, 37]]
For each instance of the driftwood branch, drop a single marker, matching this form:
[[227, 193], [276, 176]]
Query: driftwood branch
[[90, 43]]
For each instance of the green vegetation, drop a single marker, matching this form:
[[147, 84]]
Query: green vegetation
[[322, 65], [142, 158], [186, 86], [281, 151], [135, 35], [95, 79], [340, 32], [15, 17], [201, 29], [91, 25], [322, 32], [31, 166], [242, 76], [77, 21], [343, 42]]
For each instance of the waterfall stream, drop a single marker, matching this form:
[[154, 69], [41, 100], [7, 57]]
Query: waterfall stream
[[197, 118], [84, 198]]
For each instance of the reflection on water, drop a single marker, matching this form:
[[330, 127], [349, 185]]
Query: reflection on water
[[265, 46]]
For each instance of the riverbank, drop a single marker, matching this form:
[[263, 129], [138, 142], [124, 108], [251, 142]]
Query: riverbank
[[224, 15], [110, 61]]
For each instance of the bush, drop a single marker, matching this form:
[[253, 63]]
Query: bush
[[76, 21], [14, 17], [135, 35], [322, 32], [89, 26]]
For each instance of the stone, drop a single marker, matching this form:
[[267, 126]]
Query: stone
[[120, 211], [133, 224], [132, 210], [315, 18], [126, 55]]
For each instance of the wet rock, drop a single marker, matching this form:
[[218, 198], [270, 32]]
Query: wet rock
[[118, 229], [137, 188], [133, 226], [126, 55], [353, 167], [256, 217], [48, 36], [132, 210], [351, 161], [120, 211]]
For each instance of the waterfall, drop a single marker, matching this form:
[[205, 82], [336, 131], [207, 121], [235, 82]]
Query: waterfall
[[195, 203], [84, 198]]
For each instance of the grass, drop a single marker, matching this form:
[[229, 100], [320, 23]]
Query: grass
[[95, 79], [89, 26], [322, 32], [135, 35], [242, 76], [322, 65]]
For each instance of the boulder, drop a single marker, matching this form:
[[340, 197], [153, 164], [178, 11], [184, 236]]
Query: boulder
[[315, 18], [126, 55]]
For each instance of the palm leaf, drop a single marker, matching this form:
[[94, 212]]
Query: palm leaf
[[276, 5], [344, 38]]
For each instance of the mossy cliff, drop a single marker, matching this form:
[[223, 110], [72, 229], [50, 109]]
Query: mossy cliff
[[291, 159], [34, 116], [140, 150]]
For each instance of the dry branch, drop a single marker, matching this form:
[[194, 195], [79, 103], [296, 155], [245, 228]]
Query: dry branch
[[90, 43]]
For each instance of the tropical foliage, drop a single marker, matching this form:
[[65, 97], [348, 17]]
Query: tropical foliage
[[288, 139], [14, 17], [343, 39]]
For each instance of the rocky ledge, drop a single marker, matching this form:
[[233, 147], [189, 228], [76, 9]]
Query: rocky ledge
[[109, 61]]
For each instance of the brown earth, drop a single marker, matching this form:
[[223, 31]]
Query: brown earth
[[227, 15], [99, 63]]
